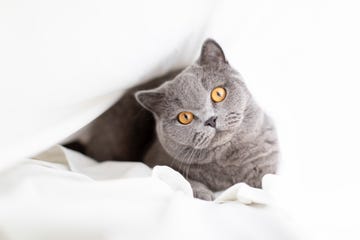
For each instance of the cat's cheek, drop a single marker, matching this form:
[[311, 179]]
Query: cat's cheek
[[204, 139], [175, 134], [223, 128], [230, 124]]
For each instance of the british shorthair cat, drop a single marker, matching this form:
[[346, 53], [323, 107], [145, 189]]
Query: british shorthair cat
[[202, 121]]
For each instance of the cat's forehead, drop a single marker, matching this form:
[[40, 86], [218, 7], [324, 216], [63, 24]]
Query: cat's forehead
[[186, 90], [199, 77], [191, 87]]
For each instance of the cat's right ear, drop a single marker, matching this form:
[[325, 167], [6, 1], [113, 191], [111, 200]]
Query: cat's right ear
[[211, 53], [152, 100]]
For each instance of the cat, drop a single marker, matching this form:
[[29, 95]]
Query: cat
[[202, 121]]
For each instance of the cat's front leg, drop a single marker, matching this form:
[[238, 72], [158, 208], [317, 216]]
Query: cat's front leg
[[201, 191], [258, 168]]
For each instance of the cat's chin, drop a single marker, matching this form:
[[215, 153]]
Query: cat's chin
[[221, 137]]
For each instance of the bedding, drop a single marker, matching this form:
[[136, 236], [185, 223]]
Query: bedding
[[64, 63], [62, 194], [50, 50]]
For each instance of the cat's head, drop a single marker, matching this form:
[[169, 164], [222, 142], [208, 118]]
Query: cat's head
[[202, 107]]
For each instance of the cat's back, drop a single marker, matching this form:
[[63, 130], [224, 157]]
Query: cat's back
[[126, 130]]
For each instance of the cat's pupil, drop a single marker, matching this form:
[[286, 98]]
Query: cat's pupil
[[218, 93], [186, 116]]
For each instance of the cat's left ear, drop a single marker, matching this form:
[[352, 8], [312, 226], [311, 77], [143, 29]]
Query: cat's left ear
[[152, 100], [211, 53]]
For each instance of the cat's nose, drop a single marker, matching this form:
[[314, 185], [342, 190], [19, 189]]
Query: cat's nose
[[211, 122]]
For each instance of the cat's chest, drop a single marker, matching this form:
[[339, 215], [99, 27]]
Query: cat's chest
[[233, 155], [228, 166], [218, 177]]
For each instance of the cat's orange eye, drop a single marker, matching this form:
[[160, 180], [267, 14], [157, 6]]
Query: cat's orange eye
[[185, 117], [218, 94]]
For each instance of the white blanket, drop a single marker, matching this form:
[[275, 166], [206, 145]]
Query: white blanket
[[66, 195], [62, 63]]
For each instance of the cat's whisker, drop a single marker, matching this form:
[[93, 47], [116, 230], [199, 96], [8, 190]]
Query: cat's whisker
[[186, 173], [172, 162], [189, 163], [195, 136], [199, 139], [181, 169], [184, 162], [176, 157], [203, 141]]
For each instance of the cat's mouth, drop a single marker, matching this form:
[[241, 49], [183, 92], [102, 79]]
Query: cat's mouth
[[202, 140], [221, 137], [216, 139]]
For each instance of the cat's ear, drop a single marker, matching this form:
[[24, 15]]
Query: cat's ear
[[211, 53], [152, 100]]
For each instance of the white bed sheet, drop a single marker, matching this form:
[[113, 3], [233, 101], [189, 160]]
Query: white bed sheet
[[66, 195], [299, 59], [64, 63]]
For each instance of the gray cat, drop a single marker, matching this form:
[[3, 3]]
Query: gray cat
[[201, 121]]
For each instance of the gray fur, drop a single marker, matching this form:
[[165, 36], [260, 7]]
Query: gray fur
[[243, 146]]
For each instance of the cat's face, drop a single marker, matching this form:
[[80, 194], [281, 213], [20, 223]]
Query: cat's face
[[202, 107]]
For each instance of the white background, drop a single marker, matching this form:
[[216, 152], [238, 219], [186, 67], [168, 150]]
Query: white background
[[299, 58]]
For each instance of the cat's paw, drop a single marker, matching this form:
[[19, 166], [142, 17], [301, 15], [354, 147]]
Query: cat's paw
[[206, 195], [201, 191]]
